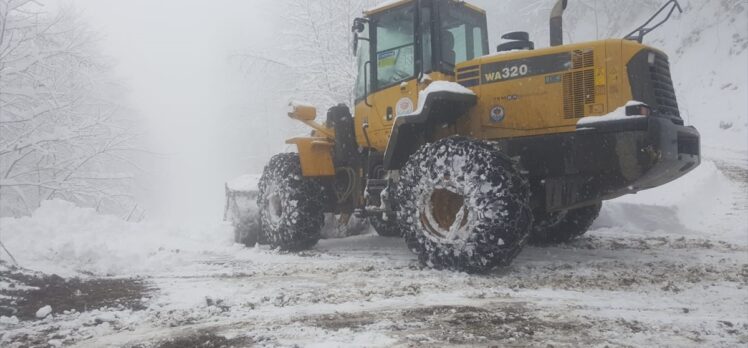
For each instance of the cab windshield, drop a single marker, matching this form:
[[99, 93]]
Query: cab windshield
[[395, 51]]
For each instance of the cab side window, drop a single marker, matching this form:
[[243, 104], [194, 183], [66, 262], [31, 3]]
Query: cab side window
[[462, 33]]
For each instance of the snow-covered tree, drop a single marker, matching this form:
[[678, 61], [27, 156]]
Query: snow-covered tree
[[63, 133], [317, 52], [584, 20]]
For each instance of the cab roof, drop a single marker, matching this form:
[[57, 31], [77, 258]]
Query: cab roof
[[389, 4]]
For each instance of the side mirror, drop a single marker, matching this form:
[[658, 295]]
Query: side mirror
[[357, 28], [358, 25]]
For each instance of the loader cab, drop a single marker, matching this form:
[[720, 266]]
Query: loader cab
[[402, 46]]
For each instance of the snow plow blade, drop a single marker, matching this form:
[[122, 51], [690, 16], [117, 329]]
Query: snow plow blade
[[241, 209]]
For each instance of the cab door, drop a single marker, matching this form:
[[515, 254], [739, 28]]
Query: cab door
[[391, 75]]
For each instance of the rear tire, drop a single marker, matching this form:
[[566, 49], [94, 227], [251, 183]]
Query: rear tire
[[291, 206], [563, 226], [464, 206]]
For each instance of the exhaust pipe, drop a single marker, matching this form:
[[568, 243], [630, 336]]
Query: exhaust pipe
[[557, 23]]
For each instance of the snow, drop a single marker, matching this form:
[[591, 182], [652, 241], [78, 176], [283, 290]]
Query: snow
[[645, 275], [708, 53], [300, 104], [244, 183], [67, 240], [438, 86], [664, 267], [44, 312], [702, 203], [382, 5], [617, 115]]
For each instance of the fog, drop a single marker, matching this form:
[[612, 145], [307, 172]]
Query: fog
[[204, 119], [175, 58]]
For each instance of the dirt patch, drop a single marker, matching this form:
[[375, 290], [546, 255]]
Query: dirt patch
[[340, 321], [28, 292], [501, 323], [468, 325], [735, 173], [201, 340]]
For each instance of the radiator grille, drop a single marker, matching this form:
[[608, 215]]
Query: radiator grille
[[582, 59], [663, 86], [649, 75], [579, 85]]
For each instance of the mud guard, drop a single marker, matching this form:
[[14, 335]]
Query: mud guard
[[409, 131]]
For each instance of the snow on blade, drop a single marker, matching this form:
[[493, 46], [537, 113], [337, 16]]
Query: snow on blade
[[244, 183], [300, 104]]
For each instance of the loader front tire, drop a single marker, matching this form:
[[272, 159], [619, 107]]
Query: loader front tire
[[291, 206], [563, 226], [464, 206]]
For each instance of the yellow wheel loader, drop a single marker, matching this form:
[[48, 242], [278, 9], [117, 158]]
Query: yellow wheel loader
[[470, 154]]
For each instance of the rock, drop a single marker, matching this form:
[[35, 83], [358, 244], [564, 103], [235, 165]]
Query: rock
[[44, 312]]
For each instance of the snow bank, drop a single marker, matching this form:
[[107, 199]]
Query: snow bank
[[702, 204], [708, 48], [67, 240]]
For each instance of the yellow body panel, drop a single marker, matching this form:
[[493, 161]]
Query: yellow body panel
[[533, 105], [380, 124], [536, 105], [315, 154]]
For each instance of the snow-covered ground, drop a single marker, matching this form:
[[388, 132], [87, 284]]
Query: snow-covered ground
[[665, 267]]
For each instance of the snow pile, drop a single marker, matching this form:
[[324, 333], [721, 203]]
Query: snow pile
[[67, 240], [702, 204]]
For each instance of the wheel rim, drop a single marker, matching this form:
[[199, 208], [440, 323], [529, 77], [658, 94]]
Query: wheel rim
[[445, 215], [275, 205]]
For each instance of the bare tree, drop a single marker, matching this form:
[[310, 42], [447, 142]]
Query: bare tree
[[62, 132]]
